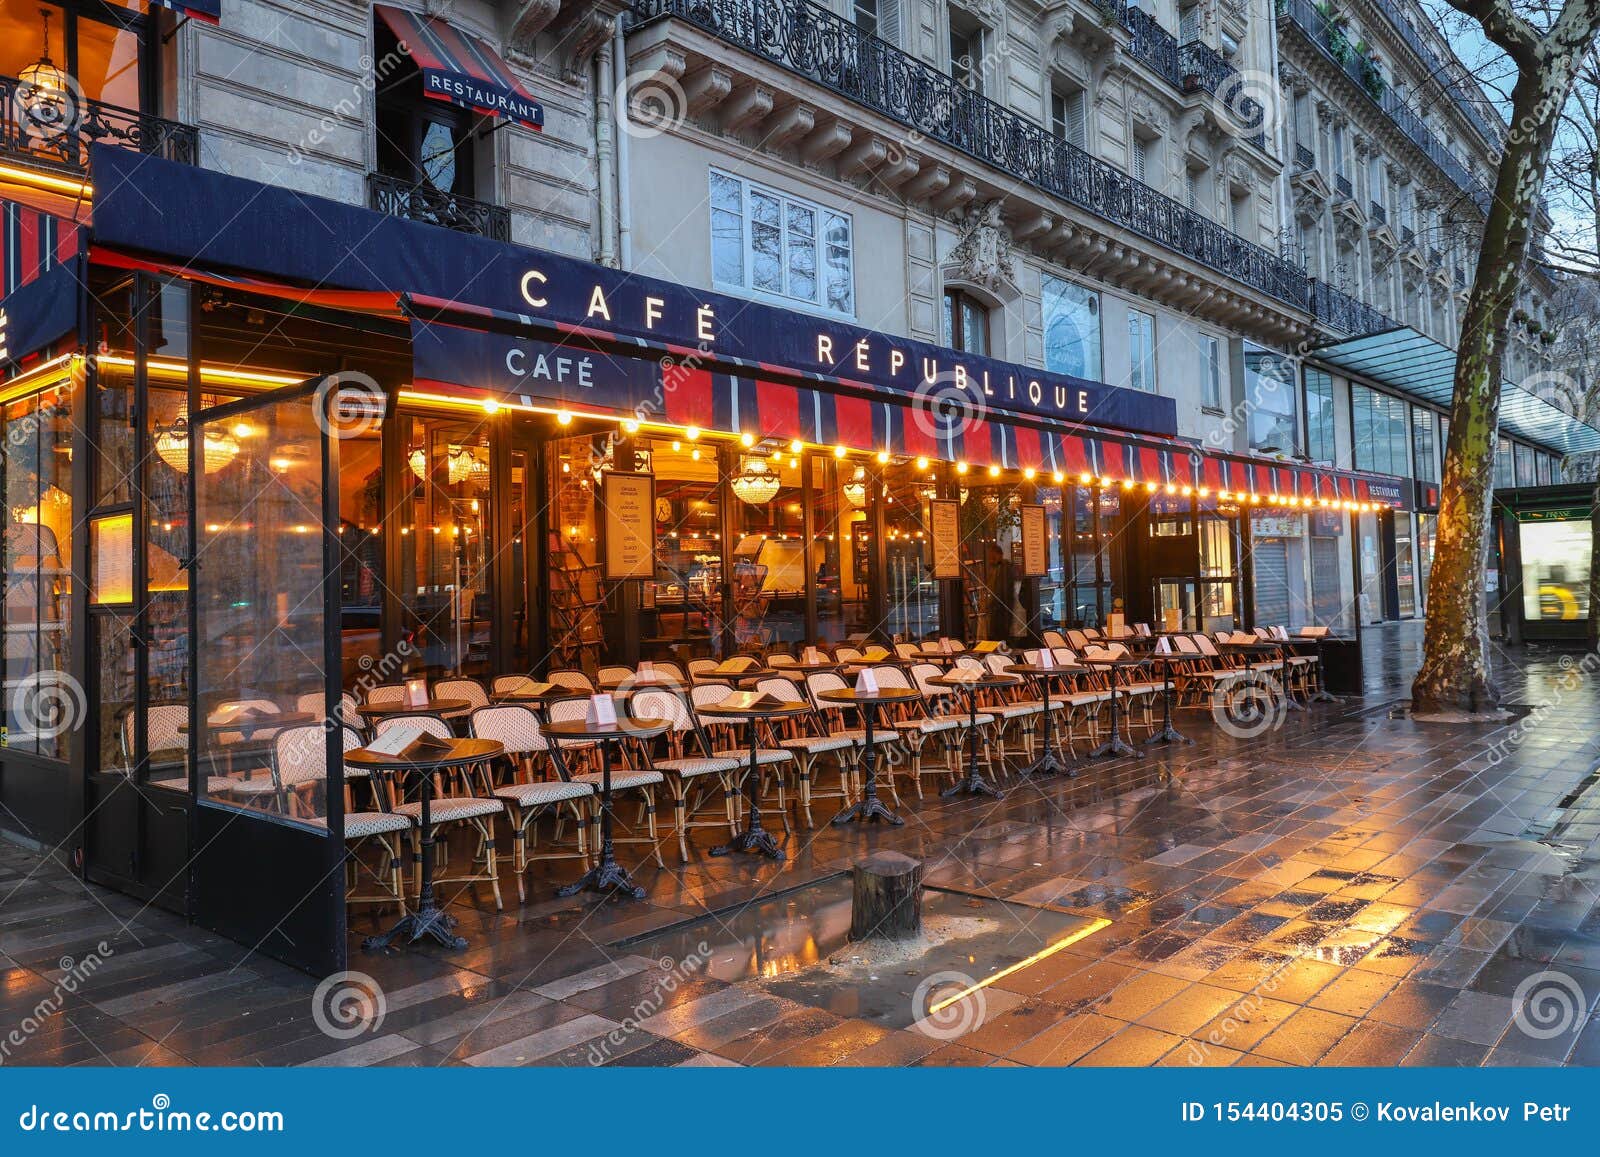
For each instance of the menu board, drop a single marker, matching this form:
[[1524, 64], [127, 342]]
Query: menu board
[[944, 526], [1035, 548], [628, 503]]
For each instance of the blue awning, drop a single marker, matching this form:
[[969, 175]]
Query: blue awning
[[1416, 364]]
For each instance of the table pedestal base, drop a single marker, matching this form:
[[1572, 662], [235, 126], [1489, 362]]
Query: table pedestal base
[[1116, 746], [868, 810], [1169, 734], [606, 876], [428, 921], [1050, 763], [973, 784], [757, 840]]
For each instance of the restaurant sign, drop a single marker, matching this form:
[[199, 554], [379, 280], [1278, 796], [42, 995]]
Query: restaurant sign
[[530, 369], [1563, 514]]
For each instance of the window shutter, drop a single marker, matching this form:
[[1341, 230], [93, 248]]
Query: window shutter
[[889, 21], [1078, 119]]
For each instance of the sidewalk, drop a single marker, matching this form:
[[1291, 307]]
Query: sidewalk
[[1349, 890]]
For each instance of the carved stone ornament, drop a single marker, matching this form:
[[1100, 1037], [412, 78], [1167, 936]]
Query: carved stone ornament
[[982, 256]]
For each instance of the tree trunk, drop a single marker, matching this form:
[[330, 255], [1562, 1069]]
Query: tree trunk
[[1454, 676], [887, 900]]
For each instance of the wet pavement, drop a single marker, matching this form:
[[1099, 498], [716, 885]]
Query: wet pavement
[[1351, 889]]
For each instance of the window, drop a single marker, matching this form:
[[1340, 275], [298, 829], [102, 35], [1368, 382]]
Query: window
[[966, 322], [1271, 397], [880, 18], [1189, 24], [423, 142], [1069, 116], [1503, 476], [966, 50], [1141, 351], [1191, 190], [1210, 372], [1424, 463], [106, 48], [1526, 473], [766, 242], [1320, 445], [865, 13], [1071, 328], [1239, 213], [1140, 162], [1378, 425]]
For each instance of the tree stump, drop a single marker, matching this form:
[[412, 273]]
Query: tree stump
[[886, 903]]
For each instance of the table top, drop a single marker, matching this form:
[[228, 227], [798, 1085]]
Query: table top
[[1170, 657], [1117, 661], [461, 751], [881, 695], [431, 707], [621, 729], [987, 679], [258, 722], [1258, 645], [1053, 669], [555, 692], [791, 708], [825, 665]]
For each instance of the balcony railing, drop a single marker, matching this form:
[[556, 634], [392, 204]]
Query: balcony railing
[[399, 198], [1378, 213], [1204, 68], [1304, 158], [1331, 40], [829, 51], [1342, 186], [58, 135], [1407, 235], [1408, 33], [1336, 310]]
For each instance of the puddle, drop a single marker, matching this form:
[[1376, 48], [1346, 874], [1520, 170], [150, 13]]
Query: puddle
[[797, 946]]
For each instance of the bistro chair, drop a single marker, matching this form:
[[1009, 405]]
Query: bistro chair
[[1076, 639], [385, 693], [573, 679], [469, 689], [1054, 639], [640, 782], [886, 734], [807, 736], [1016, 707], [926, 719], [1081, 702], [167, 749], [311, 703], [614, 676], [691, 776], [511, 684], [527, 798], [454, 807], [702, 669]]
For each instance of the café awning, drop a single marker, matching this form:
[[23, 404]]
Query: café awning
[[208, 11], [1412, 362], [459, 68]]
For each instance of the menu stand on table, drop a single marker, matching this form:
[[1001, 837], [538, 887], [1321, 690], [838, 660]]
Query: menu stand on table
[[429, 920]]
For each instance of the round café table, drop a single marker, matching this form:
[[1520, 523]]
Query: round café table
[[1278, 650], [429, 919], [973, 783], [1321, 694], [1167, 660], [754, 838], [1050, 762], [1115, 745], [607, 874], [870, 808], [443, 708]]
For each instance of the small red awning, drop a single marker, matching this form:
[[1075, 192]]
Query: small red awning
[[460, 68]]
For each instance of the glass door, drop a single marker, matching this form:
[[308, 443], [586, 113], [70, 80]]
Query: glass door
[[266, 770]]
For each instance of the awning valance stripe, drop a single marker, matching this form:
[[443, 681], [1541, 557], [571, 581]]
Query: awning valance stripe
[[459, 68]]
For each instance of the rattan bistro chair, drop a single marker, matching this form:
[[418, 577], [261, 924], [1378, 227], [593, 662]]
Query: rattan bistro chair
[[692, 776], [809, 739], [527, 797]]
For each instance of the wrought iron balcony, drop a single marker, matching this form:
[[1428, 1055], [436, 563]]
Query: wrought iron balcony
[[400, 198], [1342, 186], [1334, 309], [1205, 69], [1459, 278], [57, 133], [1304, 158], [1378, 213], [1407, 32], [1331, 40], [1407, 235], [831, 52]]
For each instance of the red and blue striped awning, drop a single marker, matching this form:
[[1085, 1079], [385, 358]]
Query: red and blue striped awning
[[461, 69]]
